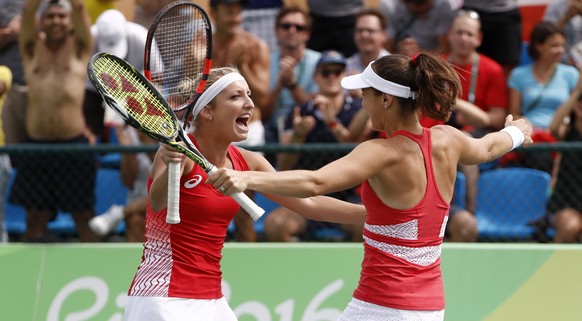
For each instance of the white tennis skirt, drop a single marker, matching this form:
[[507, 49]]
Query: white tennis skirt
[[142, 308], [358, 310]]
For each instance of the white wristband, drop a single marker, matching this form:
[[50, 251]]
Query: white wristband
[[515, 134]]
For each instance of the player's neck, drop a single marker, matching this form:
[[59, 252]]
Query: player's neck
[[410, 124], [213, 149]]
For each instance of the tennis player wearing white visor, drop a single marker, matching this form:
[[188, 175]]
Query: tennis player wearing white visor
[[407, 183]]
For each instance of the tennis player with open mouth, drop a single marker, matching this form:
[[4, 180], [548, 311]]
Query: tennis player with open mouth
[[180, 277]]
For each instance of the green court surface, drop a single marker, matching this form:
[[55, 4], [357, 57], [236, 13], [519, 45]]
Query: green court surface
[[293, 282]]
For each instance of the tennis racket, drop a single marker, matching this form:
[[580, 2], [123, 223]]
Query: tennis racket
[[140, 105], [178, 48]]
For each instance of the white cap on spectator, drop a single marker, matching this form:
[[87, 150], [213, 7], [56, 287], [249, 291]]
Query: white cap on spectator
[[111, 33]]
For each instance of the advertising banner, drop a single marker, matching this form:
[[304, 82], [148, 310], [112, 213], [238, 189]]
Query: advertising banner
[[292, 282]]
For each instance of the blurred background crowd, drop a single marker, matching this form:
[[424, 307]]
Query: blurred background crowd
[[70, 171]]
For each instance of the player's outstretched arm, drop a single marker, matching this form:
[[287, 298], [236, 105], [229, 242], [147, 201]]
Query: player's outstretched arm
[[493, 145]]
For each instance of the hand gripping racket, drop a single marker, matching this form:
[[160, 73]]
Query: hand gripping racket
[[178, 48], [138, 102]]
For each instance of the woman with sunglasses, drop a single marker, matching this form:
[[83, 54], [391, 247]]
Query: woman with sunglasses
[[407, 183], [324, 119]]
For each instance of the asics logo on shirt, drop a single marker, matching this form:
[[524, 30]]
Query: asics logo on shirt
[[193, 182]]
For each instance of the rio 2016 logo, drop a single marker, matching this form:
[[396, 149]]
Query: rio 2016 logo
[[259, 311]]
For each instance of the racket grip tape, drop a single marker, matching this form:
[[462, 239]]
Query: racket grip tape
[[254, 210], [173, 213]]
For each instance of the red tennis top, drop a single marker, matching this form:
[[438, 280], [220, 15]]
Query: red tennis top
[[183, 260], [402, 248]]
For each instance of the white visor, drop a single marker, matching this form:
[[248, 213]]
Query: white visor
[[368, 78]]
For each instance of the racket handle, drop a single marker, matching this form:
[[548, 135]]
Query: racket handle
[[254, 210], [173, 213]]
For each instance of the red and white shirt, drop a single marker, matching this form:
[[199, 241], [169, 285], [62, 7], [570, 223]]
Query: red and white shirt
[[402, 248], [183, 260]]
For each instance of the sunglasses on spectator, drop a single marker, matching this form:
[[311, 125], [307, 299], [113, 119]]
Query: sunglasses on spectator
[[288, 26], [468, 13], [326, 72]]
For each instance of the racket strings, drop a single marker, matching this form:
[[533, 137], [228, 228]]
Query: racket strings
[[181, 37], [134, 97]]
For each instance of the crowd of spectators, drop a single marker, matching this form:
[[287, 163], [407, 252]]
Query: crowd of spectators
[[293, 58]]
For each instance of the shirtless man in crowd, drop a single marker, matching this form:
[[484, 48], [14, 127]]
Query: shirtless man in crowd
[[55, 51], [234, 46]]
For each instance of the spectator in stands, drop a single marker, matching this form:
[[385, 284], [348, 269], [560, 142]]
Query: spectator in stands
[[417, 25], [333, 25], [370, 38], [5, 168], [566, 201], [537, 90], [324, 119], [125, 39], [292, 69], [483, 90], [16, 100], [482, 78], [135, 170], [259, 19], [567, 15], [12, 92], [501, 25], [55, 51], [233, 46], [236, 47]]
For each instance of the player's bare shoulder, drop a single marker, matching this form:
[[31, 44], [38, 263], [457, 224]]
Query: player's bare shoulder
[[445, 136], [385, 151], [439, 131]]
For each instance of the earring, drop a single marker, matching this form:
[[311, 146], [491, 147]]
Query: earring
[[385, 107], [210, 117]]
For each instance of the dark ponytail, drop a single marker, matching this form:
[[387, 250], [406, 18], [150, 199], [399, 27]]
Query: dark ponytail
[[436, 82]]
